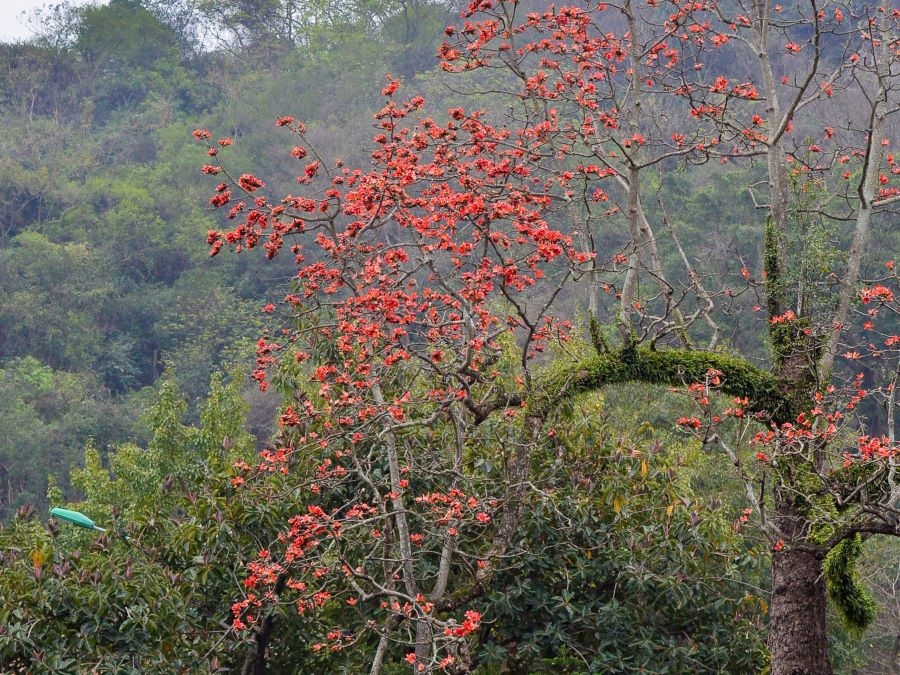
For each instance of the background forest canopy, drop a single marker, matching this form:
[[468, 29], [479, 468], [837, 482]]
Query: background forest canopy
[[115, 324], [101, 237]]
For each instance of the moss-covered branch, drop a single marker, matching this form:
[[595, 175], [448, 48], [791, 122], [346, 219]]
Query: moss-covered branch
[[671, 367]]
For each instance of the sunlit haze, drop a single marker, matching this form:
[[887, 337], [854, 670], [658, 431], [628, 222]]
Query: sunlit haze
[[13, 26]]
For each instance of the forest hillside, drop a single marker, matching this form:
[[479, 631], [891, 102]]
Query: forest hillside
[[571, 345]]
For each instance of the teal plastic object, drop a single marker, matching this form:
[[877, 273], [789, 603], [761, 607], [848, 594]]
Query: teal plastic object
[[76, 518]]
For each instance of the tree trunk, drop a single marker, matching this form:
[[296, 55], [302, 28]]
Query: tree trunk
[[798, 638]]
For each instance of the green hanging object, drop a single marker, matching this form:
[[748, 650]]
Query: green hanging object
[[76, 518]]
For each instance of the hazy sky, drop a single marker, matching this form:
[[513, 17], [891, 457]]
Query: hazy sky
[[11, 25]]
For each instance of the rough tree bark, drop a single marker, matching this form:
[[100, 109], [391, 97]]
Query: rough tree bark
[[797, 633]]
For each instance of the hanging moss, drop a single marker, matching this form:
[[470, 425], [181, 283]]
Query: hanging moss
[[597, 338], [787, 337], [774, 283], [671, 367], [845, 588]]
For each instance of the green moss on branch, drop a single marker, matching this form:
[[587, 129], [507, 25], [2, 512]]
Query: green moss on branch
[[671, 367], [774, 282], [845, 587]]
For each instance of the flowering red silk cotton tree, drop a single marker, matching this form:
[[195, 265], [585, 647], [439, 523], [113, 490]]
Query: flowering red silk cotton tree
[[420, 277], [806, 94], [413, 276]]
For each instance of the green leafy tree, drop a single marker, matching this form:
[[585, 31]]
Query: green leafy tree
[[53, 295], [153, 593], [625, 567], [128, 53], [48, 414]]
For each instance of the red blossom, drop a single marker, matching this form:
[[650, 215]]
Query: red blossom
[[249, 182]]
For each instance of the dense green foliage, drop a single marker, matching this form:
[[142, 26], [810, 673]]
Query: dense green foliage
[[103, 273], [625, 567], [153, 593]]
